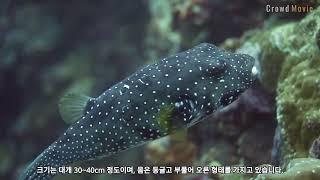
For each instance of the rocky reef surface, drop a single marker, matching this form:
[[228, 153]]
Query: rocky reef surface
[[290, 67]]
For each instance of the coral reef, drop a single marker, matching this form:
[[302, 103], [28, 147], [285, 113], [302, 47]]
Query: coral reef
[[289, 58], [179, 24], [275, 44], [300, 168], [298, 99], [314, 150]]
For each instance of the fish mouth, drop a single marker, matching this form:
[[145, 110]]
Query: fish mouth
[[256, 70], [253, 64]]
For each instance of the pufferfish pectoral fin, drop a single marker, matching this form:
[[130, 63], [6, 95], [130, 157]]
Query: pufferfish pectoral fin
[[168, 119], [72, 106], [175, 118]]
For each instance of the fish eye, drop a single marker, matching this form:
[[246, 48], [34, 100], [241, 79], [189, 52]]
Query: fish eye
[[217, 70]]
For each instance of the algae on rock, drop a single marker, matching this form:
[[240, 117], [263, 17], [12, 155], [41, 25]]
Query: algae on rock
[[298, 98], [300, 168], [289, 59]]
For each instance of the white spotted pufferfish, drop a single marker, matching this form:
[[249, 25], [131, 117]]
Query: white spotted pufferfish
[[174, 93]]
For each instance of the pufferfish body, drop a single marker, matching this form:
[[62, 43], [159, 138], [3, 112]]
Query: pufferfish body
[[172, 94]]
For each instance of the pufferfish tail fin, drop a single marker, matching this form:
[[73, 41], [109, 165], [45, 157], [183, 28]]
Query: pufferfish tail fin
[[73, 106]]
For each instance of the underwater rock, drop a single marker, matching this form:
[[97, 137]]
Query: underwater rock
[[168, 151], [276, 149], [229, 135], [289, 59], [256, 105], [298, 99], [222, 151], [270, 58], [297, 169], [275, 44], [179, 24], [162, 39], [314, 151], [255, 145]]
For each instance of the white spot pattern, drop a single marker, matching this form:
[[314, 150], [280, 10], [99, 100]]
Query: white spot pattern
[[195, 82]]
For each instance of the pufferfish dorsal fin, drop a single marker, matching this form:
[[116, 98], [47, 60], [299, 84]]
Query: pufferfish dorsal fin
[[72, 106]]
